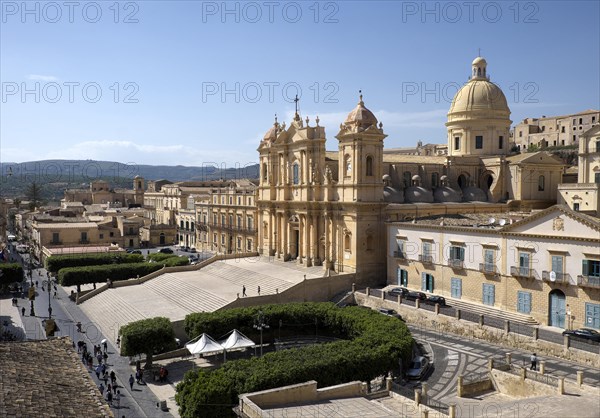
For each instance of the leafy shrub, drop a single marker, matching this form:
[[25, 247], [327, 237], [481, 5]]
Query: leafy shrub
[[147, 336], [56, 262], [10, 273], [375, 344]]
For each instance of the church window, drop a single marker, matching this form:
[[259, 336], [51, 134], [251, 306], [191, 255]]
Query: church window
[[597, 178], [574, 138], [456, 142], [562, 129], [597, 146], [478, 142], [369, 166], [296, 173], [541, 183], [369, 242], [520, 134], [500, 142], [264, 171], [347, 242], [407, 179], [435, 180], [580, 121]]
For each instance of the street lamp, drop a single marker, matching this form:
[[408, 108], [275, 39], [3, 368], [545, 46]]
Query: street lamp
[[259, 324], [49, 284]]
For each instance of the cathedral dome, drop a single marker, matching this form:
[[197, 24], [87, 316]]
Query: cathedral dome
[[361, 116], [480, 94]]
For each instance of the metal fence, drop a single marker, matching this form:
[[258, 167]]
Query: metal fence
[[492, 321], [476, 377]]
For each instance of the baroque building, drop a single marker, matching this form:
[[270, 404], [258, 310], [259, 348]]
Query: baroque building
[[318, 207]]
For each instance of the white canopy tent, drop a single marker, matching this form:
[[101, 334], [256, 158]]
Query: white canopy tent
[[236, 341], [205, 344]]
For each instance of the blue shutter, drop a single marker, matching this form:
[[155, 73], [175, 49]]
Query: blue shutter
[[399, 275], [584, 268], [423, 281]]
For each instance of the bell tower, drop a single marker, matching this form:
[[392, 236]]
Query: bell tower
[[360, 156]]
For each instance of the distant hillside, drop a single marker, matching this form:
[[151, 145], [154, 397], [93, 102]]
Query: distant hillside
[[57, 175]]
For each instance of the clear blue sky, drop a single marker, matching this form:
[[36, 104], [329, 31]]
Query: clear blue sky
[[162, 67]]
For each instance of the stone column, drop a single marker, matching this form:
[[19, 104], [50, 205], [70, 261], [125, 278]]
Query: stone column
[[278, 236], [285, 244], [580, 378], [452, 410], [542, 367], [509, 358], [314, 241], [327, 243], [561, 385], [270, 237], [459, 386], [307, 243], [301, 227]]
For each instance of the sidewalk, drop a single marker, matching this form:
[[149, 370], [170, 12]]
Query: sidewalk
[[139, 402]]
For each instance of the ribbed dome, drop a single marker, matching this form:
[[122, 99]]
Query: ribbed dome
[[474, 194], [446, 194], [361, 116], [479, 94], [392, 195], [271, 134], [418, 194]]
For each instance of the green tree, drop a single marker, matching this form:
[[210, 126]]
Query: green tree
[[533, 148], [147, 336], [10, 273], [34, 195]]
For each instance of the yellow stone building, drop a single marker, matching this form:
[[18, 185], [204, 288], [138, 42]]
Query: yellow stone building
[[318, 207]]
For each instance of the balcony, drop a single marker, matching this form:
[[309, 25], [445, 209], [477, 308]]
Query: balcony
[[561, 278], [488, 268], [400, 255], [523, 272], [456, 263], [426, 259], [588, 281]]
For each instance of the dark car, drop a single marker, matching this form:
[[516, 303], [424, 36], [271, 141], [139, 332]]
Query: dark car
[[166, 251], [135, 252], [398, 291], [583, 334], [416, 295], [193, 250], [433, 299], [390, 312]]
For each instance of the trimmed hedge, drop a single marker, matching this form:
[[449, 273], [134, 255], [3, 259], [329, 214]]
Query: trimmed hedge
[[56, 262], [71, 276], [10, 273], [375, 344], [160, 256]]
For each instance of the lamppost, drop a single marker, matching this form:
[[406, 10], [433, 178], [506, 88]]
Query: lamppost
[[259, 324], [49, 283]]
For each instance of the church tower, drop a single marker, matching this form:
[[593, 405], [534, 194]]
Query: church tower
[[479, 118], [360, 156], [139, 188]]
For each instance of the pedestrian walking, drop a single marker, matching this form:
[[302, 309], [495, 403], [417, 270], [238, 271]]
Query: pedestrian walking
[[115, 388], [105, 356], [98, 370], [105, 344], [131, 381], [244, 290], [55, 297], [113, 377], [101, 388], [37, 284], [118, 399], [118, 341], [109, 397], [534, 361], [23, 311], [258, 290]]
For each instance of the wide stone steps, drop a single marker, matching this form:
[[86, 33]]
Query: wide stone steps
[[240, 277], [184, 294], [110, 312]]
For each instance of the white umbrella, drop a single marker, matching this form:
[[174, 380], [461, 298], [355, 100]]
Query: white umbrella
[[103, 341]]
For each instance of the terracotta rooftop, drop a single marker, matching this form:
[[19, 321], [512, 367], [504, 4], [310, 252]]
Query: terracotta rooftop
[[47, 379]]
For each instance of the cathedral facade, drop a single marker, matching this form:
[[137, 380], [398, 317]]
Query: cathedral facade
[[317, 207]]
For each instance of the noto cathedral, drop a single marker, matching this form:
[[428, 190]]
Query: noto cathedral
[[318, 207]]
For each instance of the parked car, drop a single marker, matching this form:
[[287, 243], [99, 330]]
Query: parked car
[[418, 368], [390, 312], [583, 334], [398, 291], [433, 299], [416, 295], [136, 252], [193, 250], [166, 251]]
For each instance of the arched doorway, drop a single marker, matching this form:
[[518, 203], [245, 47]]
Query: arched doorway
[[486, 181], [463, 181], [556, 314]]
